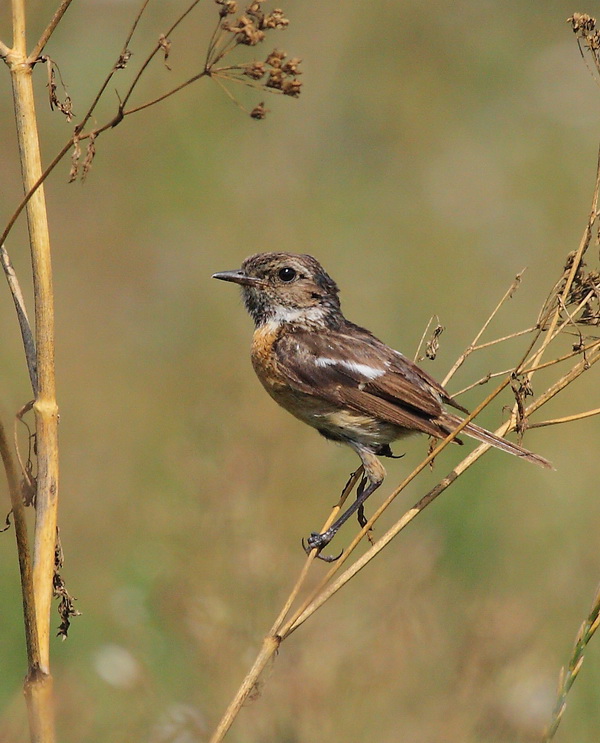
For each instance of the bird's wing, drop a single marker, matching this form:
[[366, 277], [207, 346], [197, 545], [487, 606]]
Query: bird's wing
[[358, 371]]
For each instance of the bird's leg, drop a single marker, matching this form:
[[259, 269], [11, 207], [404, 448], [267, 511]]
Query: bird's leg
[[374, 474], [361, 511], [362, 519], [318, 541]]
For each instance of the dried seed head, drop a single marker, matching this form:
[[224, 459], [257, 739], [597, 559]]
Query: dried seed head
[[249, 34], [275, 59], [228, 7], [291, 87], [291, 66], [275, 79], [255, 70], [276, 19], [259, 112], [582, 23]]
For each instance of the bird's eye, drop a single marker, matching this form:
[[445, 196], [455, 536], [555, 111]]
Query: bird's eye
[[287, 274]]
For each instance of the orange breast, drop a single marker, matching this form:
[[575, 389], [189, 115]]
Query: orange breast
[[264, 360]]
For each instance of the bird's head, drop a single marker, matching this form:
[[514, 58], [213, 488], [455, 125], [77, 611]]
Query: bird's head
[[285, 287]]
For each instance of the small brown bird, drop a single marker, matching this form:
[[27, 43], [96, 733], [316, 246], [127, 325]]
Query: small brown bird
[[338, 377]]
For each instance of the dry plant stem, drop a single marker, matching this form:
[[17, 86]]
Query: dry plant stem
[[315, 599], [155, 51], [45, 408], [323, 591], [472, 346], [78, 130], [104, 85], [49, 30], [273, 639], [508, 337], [326, 588], [537, 367], [566, 419], [38, 686], [269, 648], [422, 341], [349, 487]]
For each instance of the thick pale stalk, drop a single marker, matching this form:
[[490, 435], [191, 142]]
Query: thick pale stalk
[[45, 408], [38, 685]]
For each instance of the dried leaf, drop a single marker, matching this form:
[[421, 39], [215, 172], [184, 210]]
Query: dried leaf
[[121, 63], [73, 173], [165, 45], [90, 153], [433, 343]]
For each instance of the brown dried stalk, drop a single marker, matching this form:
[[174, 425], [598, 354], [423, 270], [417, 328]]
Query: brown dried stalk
[[37, 582]]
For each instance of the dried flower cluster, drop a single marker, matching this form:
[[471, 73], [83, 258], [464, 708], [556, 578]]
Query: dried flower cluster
[[585, 290], [581, 306], [249, 27], [584, 27]]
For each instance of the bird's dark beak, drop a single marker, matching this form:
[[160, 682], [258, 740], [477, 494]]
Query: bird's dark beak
[[238, 277]]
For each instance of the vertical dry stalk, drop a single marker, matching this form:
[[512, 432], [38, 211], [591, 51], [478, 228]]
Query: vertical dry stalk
[[38, 685]]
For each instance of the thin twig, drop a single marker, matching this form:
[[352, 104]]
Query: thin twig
[[273, 639], [422, 341], [214, 39], [482, 380], [528, 370], [294, 621], [565, 419], [155, 51], [231, 97], [508, 337], [156, 100], [348, 488], [109, 77], [48, 31], [471, 347]]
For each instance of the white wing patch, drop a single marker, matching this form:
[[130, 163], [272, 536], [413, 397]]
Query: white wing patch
[[364, 370]]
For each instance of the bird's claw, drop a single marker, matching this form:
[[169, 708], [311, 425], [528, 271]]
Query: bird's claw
[[317, 541]]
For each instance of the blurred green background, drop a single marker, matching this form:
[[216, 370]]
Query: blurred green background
[[436, 150]]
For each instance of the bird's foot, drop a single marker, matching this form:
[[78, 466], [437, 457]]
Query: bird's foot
[[319, 541]]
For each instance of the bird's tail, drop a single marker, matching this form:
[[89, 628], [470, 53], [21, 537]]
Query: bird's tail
[[487, 437]]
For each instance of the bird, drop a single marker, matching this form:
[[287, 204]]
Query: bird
[[337, 376]]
